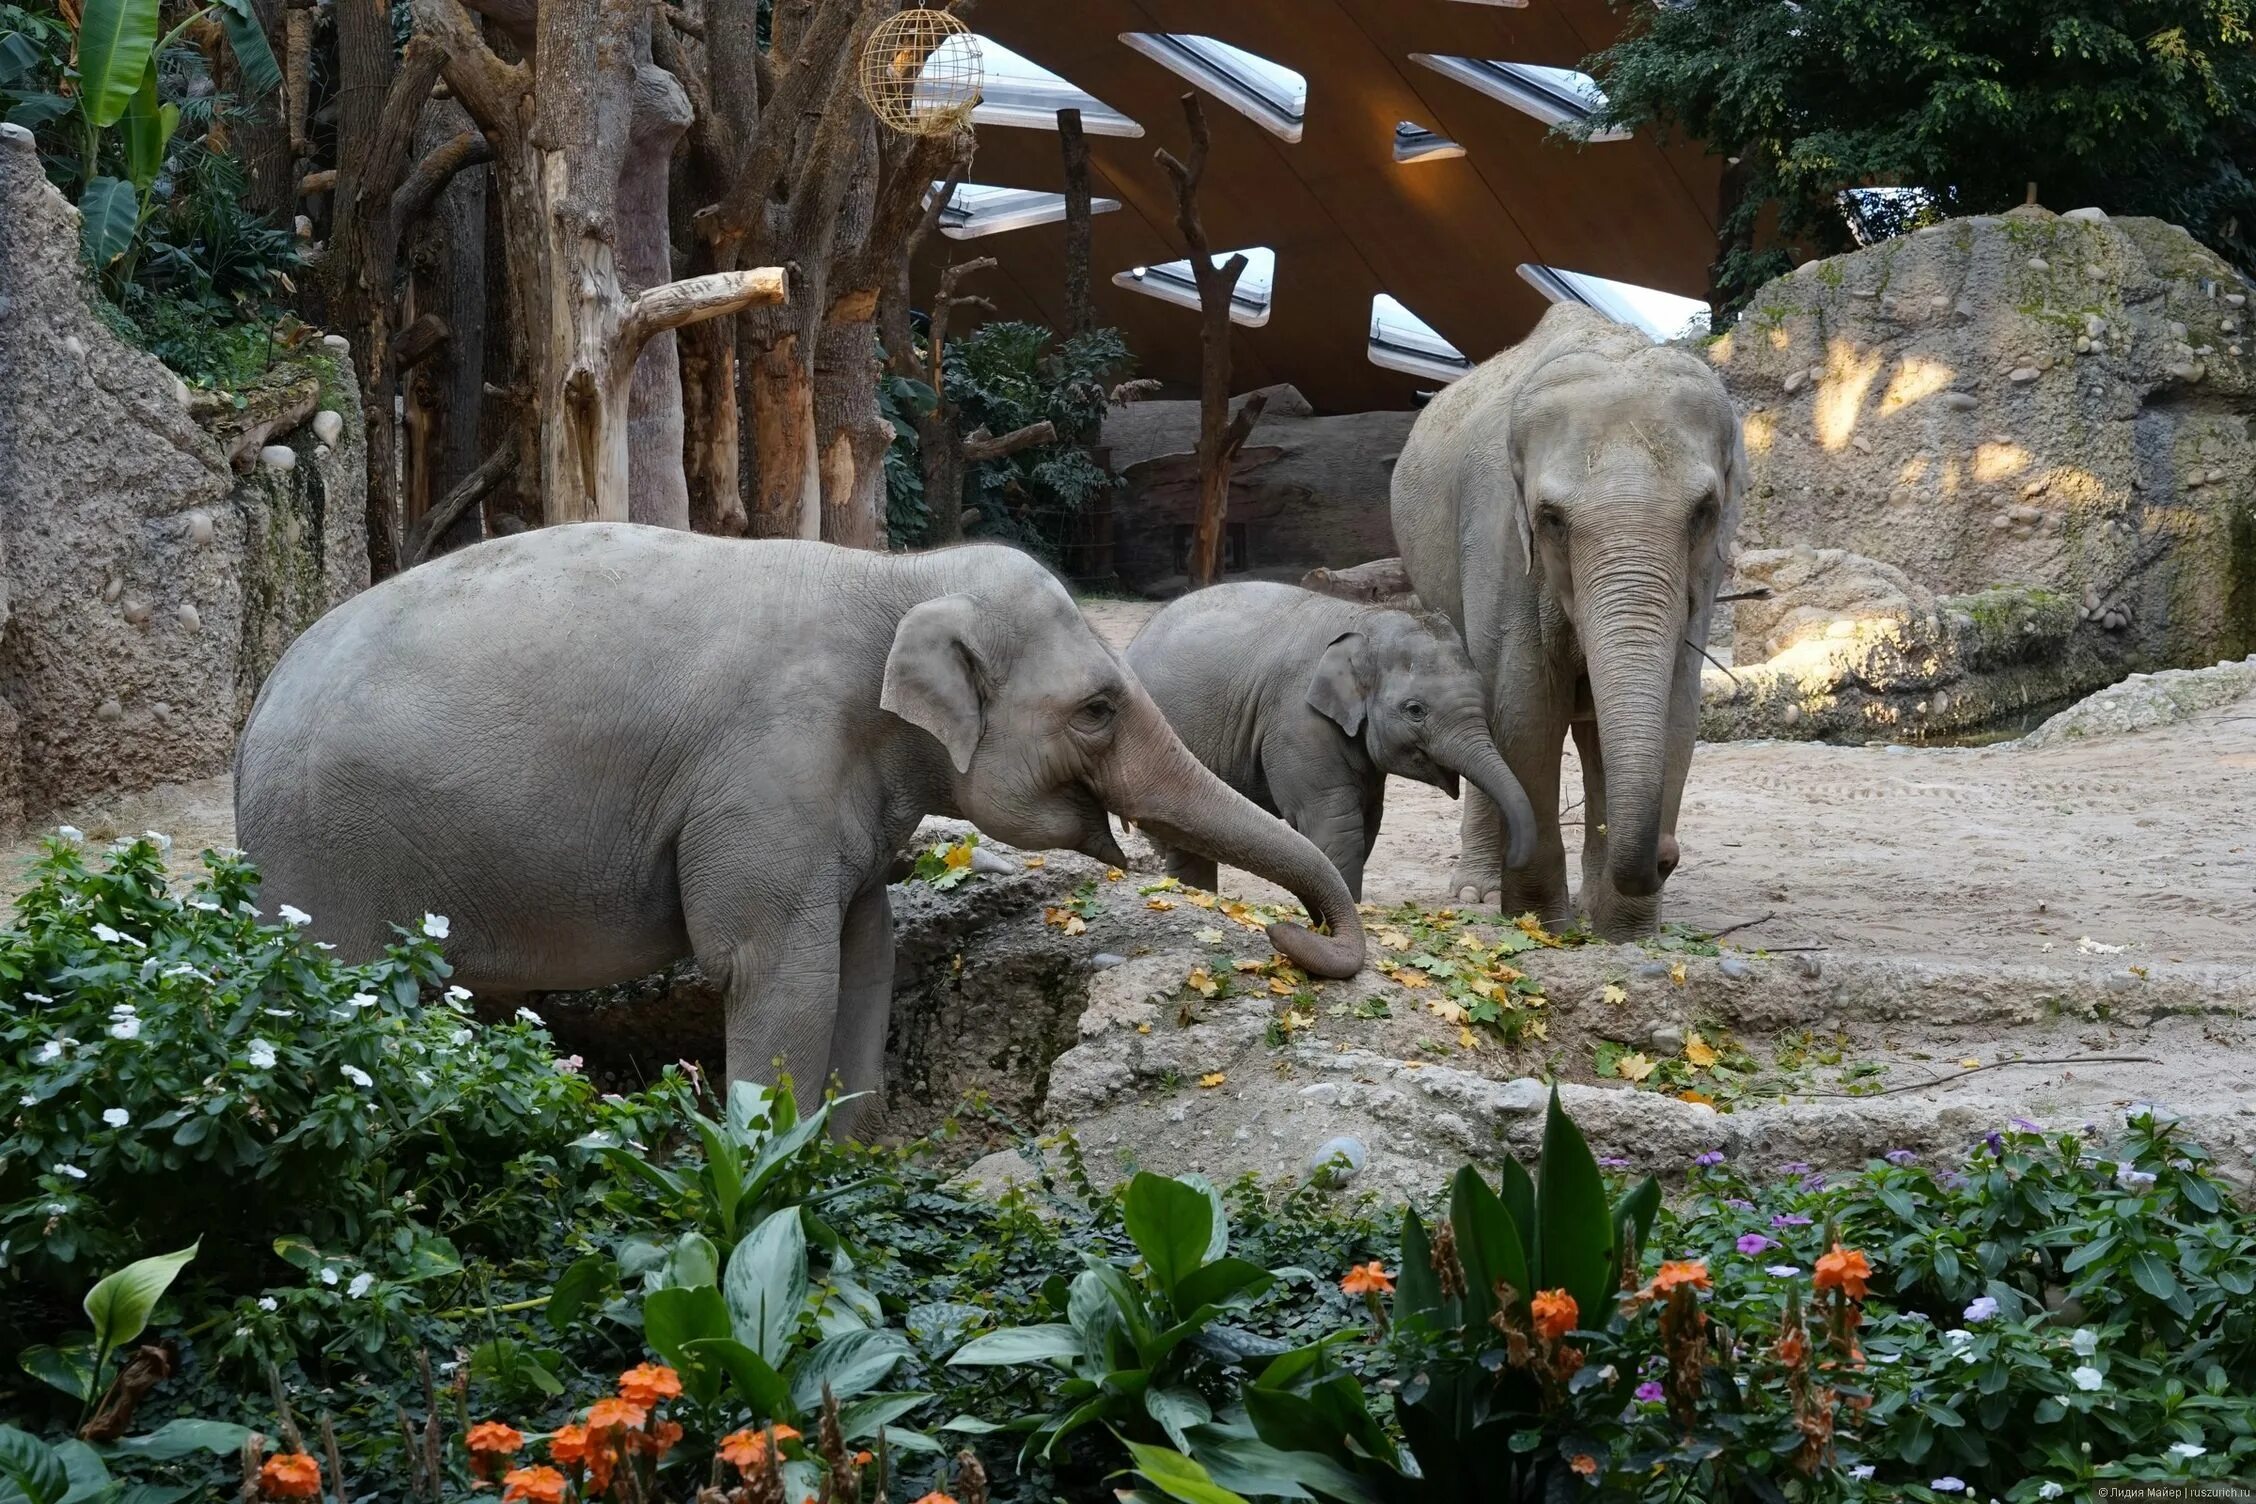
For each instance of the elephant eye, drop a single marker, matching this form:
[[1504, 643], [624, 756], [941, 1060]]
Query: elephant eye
[[1414, 710], [1093, 717], [1550, 518], [1704, 512]]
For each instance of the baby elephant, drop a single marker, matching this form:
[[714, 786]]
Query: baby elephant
[[1305, 703]]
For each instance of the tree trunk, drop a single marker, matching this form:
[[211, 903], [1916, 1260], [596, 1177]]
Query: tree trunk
[[712, 449], [658, 485], [445, 393], [940, 458], [779, 387], [1080, 314], [263, 142], [853, 435]]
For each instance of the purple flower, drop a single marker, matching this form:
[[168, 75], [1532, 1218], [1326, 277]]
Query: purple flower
[[1738, 1203], [1753, 1243], [1781, 1271], [2025, 1125], [1984, 1308], [1813, 1182], [1796, 1168], [1948, 1485], [1900, 1157], [1789, 1219], [1612, 1162], [1649, 1392], [1996, 1141], [1710, 1159]]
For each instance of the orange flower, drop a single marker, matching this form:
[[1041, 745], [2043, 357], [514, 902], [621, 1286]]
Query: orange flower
[[864, 1458], [1555, 1314], [937, 1497], [616, 1415], [1793, 1346], [658, 1440], [534, 1485], [1363, 1279], [1843, 1269], [495, 1436], [290, 1475], [568, 1444], [748, 1449], [1679, 1273], [646, 1384], [1585, 1464]]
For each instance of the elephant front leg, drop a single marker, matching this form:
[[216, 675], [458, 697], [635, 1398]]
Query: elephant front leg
[[865, 1006], [1189, 868], [1611, 915], [1540, 888], [1334, 821]]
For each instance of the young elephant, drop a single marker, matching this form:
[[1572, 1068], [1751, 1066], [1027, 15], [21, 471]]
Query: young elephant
[[1304, 703], [600, 748]]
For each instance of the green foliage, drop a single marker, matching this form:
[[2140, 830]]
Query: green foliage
[[903, 402], [2140, 108]]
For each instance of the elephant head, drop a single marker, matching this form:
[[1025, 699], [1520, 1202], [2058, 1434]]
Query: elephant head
[[1046, 730], [1627, 472], [1405, 685]]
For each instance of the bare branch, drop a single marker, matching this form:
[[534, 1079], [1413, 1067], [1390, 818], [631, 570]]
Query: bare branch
[[981, 445], [936, 340], [804, 78], [420, 341], [487, 86], [673, 304], [1241, 424], [430, 176], [1073, 147], [498, 467]]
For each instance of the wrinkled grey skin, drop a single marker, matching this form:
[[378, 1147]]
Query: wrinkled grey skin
[[1570, 504], [1305, 703], [600, 748]]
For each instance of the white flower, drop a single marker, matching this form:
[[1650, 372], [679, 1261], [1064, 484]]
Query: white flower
[[37, 997], [1947, 1485], [361, 1000], [242, 1331], [70, 832], [2186, 1451], [70, 1172], [458, 994], [158, 839], [360, 1284], [2132, 1178], [528, 1016], [116, 937], [52, 1050], [1862, 1472], [295, 917], [1959, 1340], [2087, 1378], [357, 1076], [30, 1099], [262, 1055], [1984, 1308], [279, 1012], [117, 1117], [184, 970], [328, 1276], [2049, 1490], [323, 945], [2085, 1342], [1781, 1271], [569, 1064], [435, 925], [461, 1036], [269, 1303], [204, 904], [125, 1026]]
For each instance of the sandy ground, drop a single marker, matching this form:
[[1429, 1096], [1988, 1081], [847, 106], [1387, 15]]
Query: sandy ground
[[1994, 854]]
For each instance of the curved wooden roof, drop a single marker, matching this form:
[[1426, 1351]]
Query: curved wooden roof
[[1346, 220]]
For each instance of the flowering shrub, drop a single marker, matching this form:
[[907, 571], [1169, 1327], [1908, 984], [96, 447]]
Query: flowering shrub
[[176, 1066]]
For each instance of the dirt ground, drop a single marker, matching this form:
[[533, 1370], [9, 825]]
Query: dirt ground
[[1976, 854]]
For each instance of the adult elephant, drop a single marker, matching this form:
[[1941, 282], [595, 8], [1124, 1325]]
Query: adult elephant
[[603, 747], [1570, 504]]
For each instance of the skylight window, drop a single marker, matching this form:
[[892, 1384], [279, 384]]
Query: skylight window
[[1018, 91], [1555, 96], [1401, 341], [1504, 4], [1662, 315], [1249, 300], [1270, 94], [1417, 143], [978, 209]]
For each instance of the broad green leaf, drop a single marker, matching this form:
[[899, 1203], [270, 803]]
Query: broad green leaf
[[1019, 1344], [181, 1438], [852, 1364], [1488, 1246], [1177, 1408], [145, 129], [633, 1164], [1417, 1291], [858, 1420], [115, 41], [89, 1476], [109, 212], [2153, 1276], [674, 1318], [1218, 1242], [1093, 1308], [254, 58], [1289, 1369], [762, 1390], [1573, 1236], [1634, 1210], [766, 1285], [32, 1467], [158, 1493], [695, 1261], [578, 1288], [724, 1168], [70, 1369], [1253, 1467], [1224, 1281], [1178, 1477], [1517, 1192], [1172, 1224], [35, 110], [120, 1305], [783, 1150]]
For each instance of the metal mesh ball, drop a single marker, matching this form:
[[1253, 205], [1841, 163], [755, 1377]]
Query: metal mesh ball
[[921, 72]]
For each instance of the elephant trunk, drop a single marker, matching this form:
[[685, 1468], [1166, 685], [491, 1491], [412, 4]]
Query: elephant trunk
[[1632, 620], [1471, 753], [1152, 779]]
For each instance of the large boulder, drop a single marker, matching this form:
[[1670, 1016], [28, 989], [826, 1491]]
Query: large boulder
[[2060, 404], [152, 568]]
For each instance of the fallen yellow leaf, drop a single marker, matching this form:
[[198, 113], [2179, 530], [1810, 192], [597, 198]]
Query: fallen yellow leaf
[[1615, 993], [1409, 978], [1246, 963], [1065, 919], [1539, 1028], [958, 856], [1203, 900], [1037, 861], [1392, 939], [1970, 1062], [1700, 1052], [1114, 874], [1143, 1028], [1466, 1039], [1696, 1098], [1446, 1011], [1213, 1079], [1633, 1067], [1203, 982], [1676, 973], [1207, 936], [1280, 986], [1161, 904]]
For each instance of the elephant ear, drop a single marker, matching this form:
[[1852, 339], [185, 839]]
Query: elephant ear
[[932, 675], [1341, 683]]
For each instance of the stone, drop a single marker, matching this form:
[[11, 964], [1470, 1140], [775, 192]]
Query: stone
[[2092, 215], [190, 619], [1963, 401], [2023, 374], [327, 425], [1104, 960], [278, 457], [199, 526], [2145, 701], [1336, 1161], [990, 1177], [1666, 1038], [109, 711], [338, 343], [1813, 592], [138, 612], [1735, 967], [2039, 264]]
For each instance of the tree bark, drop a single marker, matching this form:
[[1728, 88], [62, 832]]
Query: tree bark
[[850, 432], [1220, 436], [447, 283], [1080, 314], [939, 437], [658, 483]]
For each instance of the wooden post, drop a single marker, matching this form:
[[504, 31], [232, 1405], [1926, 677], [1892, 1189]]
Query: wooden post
[[1080, 315], [1220, 434]]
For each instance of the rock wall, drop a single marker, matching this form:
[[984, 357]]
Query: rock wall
[[146, 587], [1307, 491], [2059, 403]]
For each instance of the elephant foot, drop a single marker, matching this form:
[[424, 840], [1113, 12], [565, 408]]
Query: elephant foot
[[1615, 918]]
